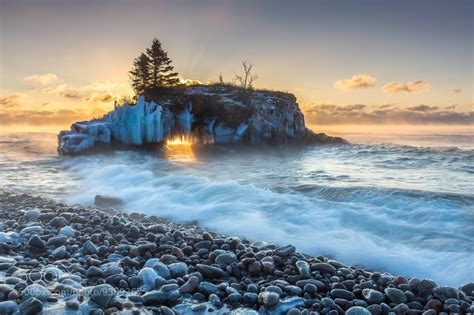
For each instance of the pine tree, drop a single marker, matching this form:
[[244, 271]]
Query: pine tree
[[140, 75], [161, 70]]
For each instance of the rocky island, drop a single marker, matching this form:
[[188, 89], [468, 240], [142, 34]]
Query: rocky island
[[208, 114]]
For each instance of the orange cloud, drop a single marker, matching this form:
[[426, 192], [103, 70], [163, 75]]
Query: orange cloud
[[330, 114], [12, 100], [46, 117], [408, 88], [358, 81]]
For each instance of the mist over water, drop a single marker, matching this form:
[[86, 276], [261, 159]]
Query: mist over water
[[379, 203]]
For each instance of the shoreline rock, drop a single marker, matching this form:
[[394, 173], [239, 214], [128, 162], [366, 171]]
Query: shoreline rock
[[124, 263]]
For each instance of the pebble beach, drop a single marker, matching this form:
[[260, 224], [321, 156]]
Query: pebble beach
[[62, 259]]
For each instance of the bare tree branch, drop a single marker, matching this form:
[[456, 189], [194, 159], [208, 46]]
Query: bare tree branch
[[246, 80]]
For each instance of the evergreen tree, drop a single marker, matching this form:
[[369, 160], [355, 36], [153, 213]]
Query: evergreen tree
[[140, 75], [161, 70]]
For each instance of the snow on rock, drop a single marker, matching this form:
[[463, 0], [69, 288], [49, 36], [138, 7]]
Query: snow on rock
[[208, 114]]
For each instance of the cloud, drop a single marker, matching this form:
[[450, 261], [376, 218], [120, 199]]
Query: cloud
[[12, 100], [39, 80], [64, 91], [100, 97], [95, 92], [358, 81], [330, 114], [48, 117], [456, 91], [407, 88], [422, 108]]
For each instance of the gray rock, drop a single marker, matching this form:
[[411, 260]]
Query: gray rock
[[235, 297], [8, 307], [107, 201], [357, 310], [444, 293], [102, 294], [190, 286], [225, 258], [373, 296], [250, 298], [36, 291], [36, 244], [294, 311], [342, 294], [90, 248], [31, 306], [468, 289], [207, 288], [60, 253], [395, 295], [93, 272], [179, 269], [56, 240], [32, 215], [324, 268], [67, 231], [285, 251], [269, 299], [211, 271], [58, 222], [303, 268], [425, 287]]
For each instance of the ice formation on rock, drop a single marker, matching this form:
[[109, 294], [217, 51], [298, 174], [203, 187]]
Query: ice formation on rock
[[208, 114]]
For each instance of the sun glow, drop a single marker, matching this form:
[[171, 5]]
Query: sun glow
[[180, 149]]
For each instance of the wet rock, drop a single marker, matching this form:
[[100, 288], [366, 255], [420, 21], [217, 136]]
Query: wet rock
[[58, 222], [107, 201], [373, 296], [36, 244], [285, 251], [190, 286], [179, 269], [444, 293], [225, 259], [102, 294], [90, 248], [342, 294], [357, 310], [8, 307], [211, 271], [269, 299], [303, 268], [207, 288], [32, 215], [60, 253], [324, 268], [468, 289], [35, 291], [31, 306], [94, 271], [67, 231], [395, 295]]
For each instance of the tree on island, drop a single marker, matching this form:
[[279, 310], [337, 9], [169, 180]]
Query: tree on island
[[246, 79], [152, 70], [140, 74]]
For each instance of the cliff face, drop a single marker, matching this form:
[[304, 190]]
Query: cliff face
[[205, 114]]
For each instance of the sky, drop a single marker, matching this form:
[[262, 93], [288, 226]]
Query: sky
[[364, 62]]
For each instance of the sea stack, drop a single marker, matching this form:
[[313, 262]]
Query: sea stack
[[209, 114]]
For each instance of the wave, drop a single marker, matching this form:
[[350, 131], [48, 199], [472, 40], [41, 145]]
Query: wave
[[402, 231]]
